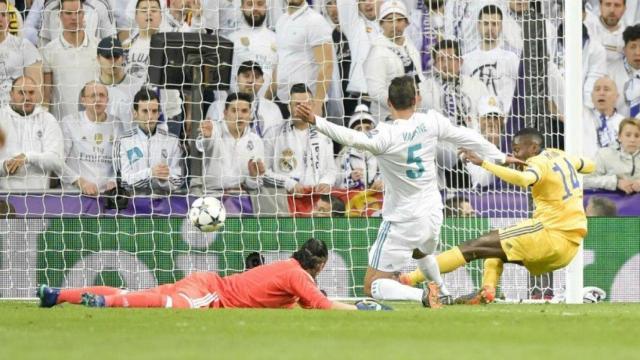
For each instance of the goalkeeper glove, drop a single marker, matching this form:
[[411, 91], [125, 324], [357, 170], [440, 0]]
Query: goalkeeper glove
[[370, 305]]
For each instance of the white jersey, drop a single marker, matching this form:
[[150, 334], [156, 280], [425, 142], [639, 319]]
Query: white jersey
[[135, 153], [121, 100], [98, 20], [39, 137], [15, 55], [406, 152], [597, 134], [298, 156], [611, 40], [226, 158], [497, 69], [265, 114], [88, 149], [350, 159], [254, 44]]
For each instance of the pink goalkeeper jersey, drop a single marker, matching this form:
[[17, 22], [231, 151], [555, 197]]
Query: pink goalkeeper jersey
[[281, 284]]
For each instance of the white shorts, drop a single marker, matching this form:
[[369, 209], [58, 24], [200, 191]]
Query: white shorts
[[396, 241]]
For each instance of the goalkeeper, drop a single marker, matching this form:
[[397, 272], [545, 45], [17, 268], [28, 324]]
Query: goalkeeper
[[549, 240], [282, 284]]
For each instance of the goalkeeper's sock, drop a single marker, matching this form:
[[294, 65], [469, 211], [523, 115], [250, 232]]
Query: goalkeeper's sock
[[492, 272], [74, 296], [388, 289], [140, 299], [429, 266], [450, 260]]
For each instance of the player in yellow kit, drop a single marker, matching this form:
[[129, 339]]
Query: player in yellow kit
[[544, 243]]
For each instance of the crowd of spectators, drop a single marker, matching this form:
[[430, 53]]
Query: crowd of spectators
[[80, 115]]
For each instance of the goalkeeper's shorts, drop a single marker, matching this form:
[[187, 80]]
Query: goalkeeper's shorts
[[539, 249], [197, 290]]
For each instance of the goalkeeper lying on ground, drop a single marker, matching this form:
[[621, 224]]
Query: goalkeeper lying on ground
[[281, 284], [549, 240]]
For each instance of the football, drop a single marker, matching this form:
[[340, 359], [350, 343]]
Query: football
[[207, 214]]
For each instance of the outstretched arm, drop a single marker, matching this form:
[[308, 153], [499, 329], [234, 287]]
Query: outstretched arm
[[376, 142], [516, 177]]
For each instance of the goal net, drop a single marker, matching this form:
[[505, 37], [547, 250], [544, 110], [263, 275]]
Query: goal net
[[107, 201]]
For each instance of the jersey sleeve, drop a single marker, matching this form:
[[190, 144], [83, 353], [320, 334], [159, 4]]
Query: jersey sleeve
[[304, 288], [525, 178], [582, 165], [375, 141]]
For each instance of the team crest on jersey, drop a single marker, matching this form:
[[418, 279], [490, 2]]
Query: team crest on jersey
[[98, 138], [39, 133], [371, 133], [249, 145], [287, 162], [134, 155], [245, 41], [164, 154]]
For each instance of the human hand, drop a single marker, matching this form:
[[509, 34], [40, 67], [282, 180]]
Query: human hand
[[306, 113], [14, 164], [298, 190], [206, 128], [470, 156], [87, 187], [256, 168], [626, 186], [160, 172], [378, 185], [636, 186]]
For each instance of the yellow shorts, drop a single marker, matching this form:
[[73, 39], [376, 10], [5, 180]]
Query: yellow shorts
[[539, 249]]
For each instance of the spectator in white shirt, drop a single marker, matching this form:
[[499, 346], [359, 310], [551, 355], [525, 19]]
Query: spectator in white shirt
[[617, 169], [426, 28], [34, 147], [600, 128], [17, 56], [391, 56], [122, 87], [147, 158], [184, 16], [626, 73], [305, 54], [358, 169], [233, 154], [253, 41], [88, 143], [358, 21], [69, 61], [461, 19], [298, 157], [491, 63], [265, 113], [447, 91], [607, 28], [490, 123]]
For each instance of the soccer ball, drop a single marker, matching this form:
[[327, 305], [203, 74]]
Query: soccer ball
[[207, 214]]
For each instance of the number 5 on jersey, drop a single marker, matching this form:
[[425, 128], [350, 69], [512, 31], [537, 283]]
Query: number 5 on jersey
[[413, 159]]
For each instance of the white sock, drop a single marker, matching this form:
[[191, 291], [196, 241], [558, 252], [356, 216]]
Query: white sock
[[429, 267], [387, 289]]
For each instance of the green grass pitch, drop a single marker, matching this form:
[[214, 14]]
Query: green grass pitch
[[570, 332]]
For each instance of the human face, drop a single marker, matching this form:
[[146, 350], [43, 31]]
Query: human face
[[611, 11], [250, 82], [524, 147], [629, 138], [393, 25], [519, 6], [238, 115], [491, 128], [147, 115], [466, 210], [332, 11], [295, 101], [490, 27], [72, 16], [296, 3], [363, 126], [24, 96], [447, 64], [110, 64], [604, 95], [322, 208], [632, 53], [254, 12], [148, 16], [95, 98], [4, 18], [369, 8]]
